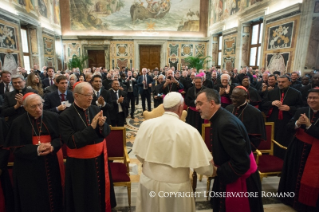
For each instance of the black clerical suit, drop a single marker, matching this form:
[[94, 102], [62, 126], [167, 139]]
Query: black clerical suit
[[130, 86], [293, 99], [9, 103], [232, 155]]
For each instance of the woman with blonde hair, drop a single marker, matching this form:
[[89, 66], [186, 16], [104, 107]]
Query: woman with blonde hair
[[34, 82]]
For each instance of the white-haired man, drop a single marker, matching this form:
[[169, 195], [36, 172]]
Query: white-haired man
[[38, 172], [144, 83], [83, 128], [168, 148]]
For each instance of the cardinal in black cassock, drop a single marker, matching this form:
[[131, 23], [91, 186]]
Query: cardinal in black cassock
[[6, 195], [37, 176], [249, 115], [300, 171], [88, 181]]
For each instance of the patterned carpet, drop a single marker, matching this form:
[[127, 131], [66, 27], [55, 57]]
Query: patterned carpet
[[133, 125]]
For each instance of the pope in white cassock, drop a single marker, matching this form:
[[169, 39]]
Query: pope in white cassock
[[168, 148]]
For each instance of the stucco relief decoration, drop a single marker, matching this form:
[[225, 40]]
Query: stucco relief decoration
[[229, 63], [49, 61], [142, 15], [229, 46], [245, 49], [48, 46], [8, 38], [34, 41], [121, 50], [200, 49], [74, 49], [187, 50], [173, 62], [173, 49], [280, 36], [122, 62], [277, 62]]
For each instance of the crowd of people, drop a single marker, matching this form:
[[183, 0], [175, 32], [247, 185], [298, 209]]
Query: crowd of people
[[43, 110]]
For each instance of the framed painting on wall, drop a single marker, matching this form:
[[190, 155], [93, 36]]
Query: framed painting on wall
[[277, 62], [280, 36], [8, 37], [9, 61]]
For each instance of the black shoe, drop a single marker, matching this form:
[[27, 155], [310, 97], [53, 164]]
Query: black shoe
[[132, 117]]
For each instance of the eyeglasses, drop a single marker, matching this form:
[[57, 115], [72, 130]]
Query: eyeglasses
[[87, 95], [314, 98]]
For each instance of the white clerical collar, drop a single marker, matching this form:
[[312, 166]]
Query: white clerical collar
[[171, 114], [315, 111], [242, 104]]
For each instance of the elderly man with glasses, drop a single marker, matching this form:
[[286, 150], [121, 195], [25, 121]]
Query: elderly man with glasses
[[83, 128]]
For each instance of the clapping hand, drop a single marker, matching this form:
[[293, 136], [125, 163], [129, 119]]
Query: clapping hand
[[303, 119], [96, 119], [100, 100]]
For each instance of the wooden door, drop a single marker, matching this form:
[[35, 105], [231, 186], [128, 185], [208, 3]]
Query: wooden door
[[150, 56], [96, 58]]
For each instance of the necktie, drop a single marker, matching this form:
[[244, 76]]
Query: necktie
[[117, 94], [62, 97], [7, 88], [98, 94], [51, 82], [280, 114], [145, 81]]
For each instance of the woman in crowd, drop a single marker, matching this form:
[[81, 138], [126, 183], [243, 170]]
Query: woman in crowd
[[34, 82]]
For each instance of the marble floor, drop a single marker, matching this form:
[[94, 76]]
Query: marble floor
[[270, 184]]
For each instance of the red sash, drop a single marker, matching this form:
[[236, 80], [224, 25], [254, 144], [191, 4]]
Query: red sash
[[93, 151], [193, 108], [59, 154], [309, 185], [240, 204]]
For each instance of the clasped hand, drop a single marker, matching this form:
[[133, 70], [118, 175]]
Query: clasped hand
[[45, 149]]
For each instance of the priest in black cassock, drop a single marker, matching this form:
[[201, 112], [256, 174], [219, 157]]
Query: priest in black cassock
[[300, 171], [171, 84], [6, 195], [193, 117], [305, 89], [249, 115], [280, 105], [254, 97], [83, 128], [38, 171], [234, 163]]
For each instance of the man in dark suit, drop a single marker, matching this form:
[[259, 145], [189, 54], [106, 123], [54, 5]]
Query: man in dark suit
[[53, 87], [235, 168], [56, 101], [119, 101], [130, 82], [50, 80], [145, 83], [5, 85], [12, 105], [101, 97]]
